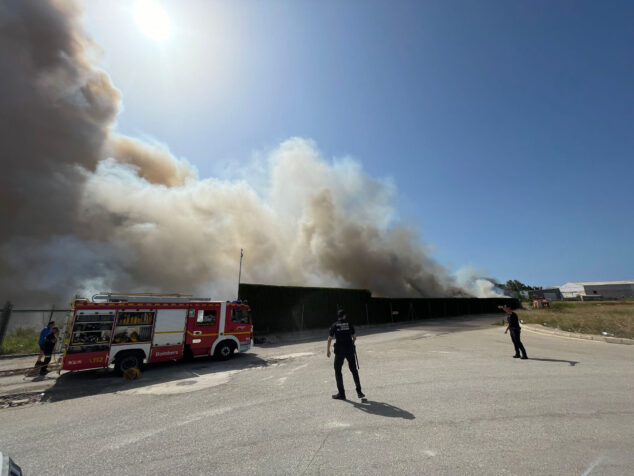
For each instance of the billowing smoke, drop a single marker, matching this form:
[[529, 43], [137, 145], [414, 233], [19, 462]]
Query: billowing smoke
[[86, 209], [469, 279]]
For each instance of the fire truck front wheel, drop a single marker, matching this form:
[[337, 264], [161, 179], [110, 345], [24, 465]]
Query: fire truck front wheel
[[128, 360], [224, 350]]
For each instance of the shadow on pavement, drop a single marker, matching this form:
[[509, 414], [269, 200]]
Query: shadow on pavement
[[382, 409], [571, 362], [103, 381]]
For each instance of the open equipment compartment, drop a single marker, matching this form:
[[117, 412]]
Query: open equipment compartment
[[134, 326], [91, 332]]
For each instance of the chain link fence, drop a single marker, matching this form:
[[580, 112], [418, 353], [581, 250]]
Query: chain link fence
[[20, 327]]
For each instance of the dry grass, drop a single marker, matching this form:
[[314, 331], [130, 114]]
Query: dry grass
[[21, 341], [614, 317]]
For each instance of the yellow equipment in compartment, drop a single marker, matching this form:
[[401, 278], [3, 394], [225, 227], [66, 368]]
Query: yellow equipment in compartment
[[136, 319]]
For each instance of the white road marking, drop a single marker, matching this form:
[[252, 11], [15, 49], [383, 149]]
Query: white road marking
[[596, 463], [281, 380], [297, 368], [136, 437], [337, 424], [292, 356]]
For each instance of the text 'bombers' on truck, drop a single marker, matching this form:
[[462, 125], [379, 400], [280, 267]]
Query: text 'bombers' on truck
[[129, 329]]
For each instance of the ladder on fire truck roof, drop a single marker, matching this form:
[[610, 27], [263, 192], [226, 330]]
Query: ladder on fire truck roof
[[146, 297]]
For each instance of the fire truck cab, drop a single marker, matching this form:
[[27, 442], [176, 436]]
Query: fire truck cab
[[126, 330]]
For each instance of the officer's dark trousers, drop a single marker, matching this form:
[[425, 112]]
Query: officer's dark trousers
[[44, 368], [515, 337], [339, 358]]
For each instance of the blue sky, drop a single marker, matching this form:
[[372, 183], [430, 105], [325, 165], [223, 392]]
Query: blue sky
[[507, 127]]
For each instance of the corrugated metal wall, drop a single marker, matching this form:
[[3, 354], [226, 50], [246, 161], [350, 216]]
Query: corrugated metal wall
[[289, 308]]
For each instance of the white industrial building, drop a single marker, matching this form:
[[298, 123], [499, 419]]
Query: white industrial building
[[604, 289]]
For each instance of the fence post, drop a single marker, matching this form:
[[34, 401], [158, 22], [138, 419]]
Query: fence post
[[50, 316], [4, 320], [302, 324]]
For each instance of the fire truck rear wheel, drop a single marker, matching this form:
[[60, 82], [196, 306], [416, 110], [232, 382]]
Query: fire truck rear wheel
[[127, 361], [224, 350]]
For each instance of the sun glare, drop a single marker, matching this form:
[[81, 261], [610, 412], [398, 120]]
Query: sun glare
[[152, 19]]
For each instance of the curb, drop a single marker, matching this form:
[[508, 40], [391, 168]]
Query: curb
[[16, 356], [575, 335]]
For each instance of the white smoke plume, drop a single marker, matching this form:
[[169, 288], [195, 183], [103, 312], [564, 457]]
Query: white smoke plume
[[86, 209], [471, 280]]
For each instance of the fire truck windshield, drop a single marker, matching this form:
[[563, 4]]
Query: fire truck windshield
[[240, 316]]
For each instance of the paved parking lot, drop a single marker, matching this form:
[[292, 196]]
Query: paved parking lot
[[443, 398]]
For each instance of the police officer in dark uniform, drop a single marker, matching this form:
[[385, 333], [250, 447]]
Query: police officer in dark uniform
[[343, 332], [514, 327]]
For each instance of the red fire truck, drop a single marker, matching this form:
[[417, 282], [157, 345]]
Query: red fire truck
[[129, 329]]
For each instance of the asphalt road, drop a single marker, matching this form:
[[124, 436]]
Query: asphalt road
[[444, 398]]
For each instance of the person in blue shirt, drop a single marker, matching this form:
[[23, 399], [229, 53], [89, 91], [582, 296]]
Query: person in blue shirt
[[46, 331]]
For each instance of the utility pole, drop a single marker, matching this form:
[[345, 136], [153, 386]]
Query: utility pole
[[4, 320], [240, 272]]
